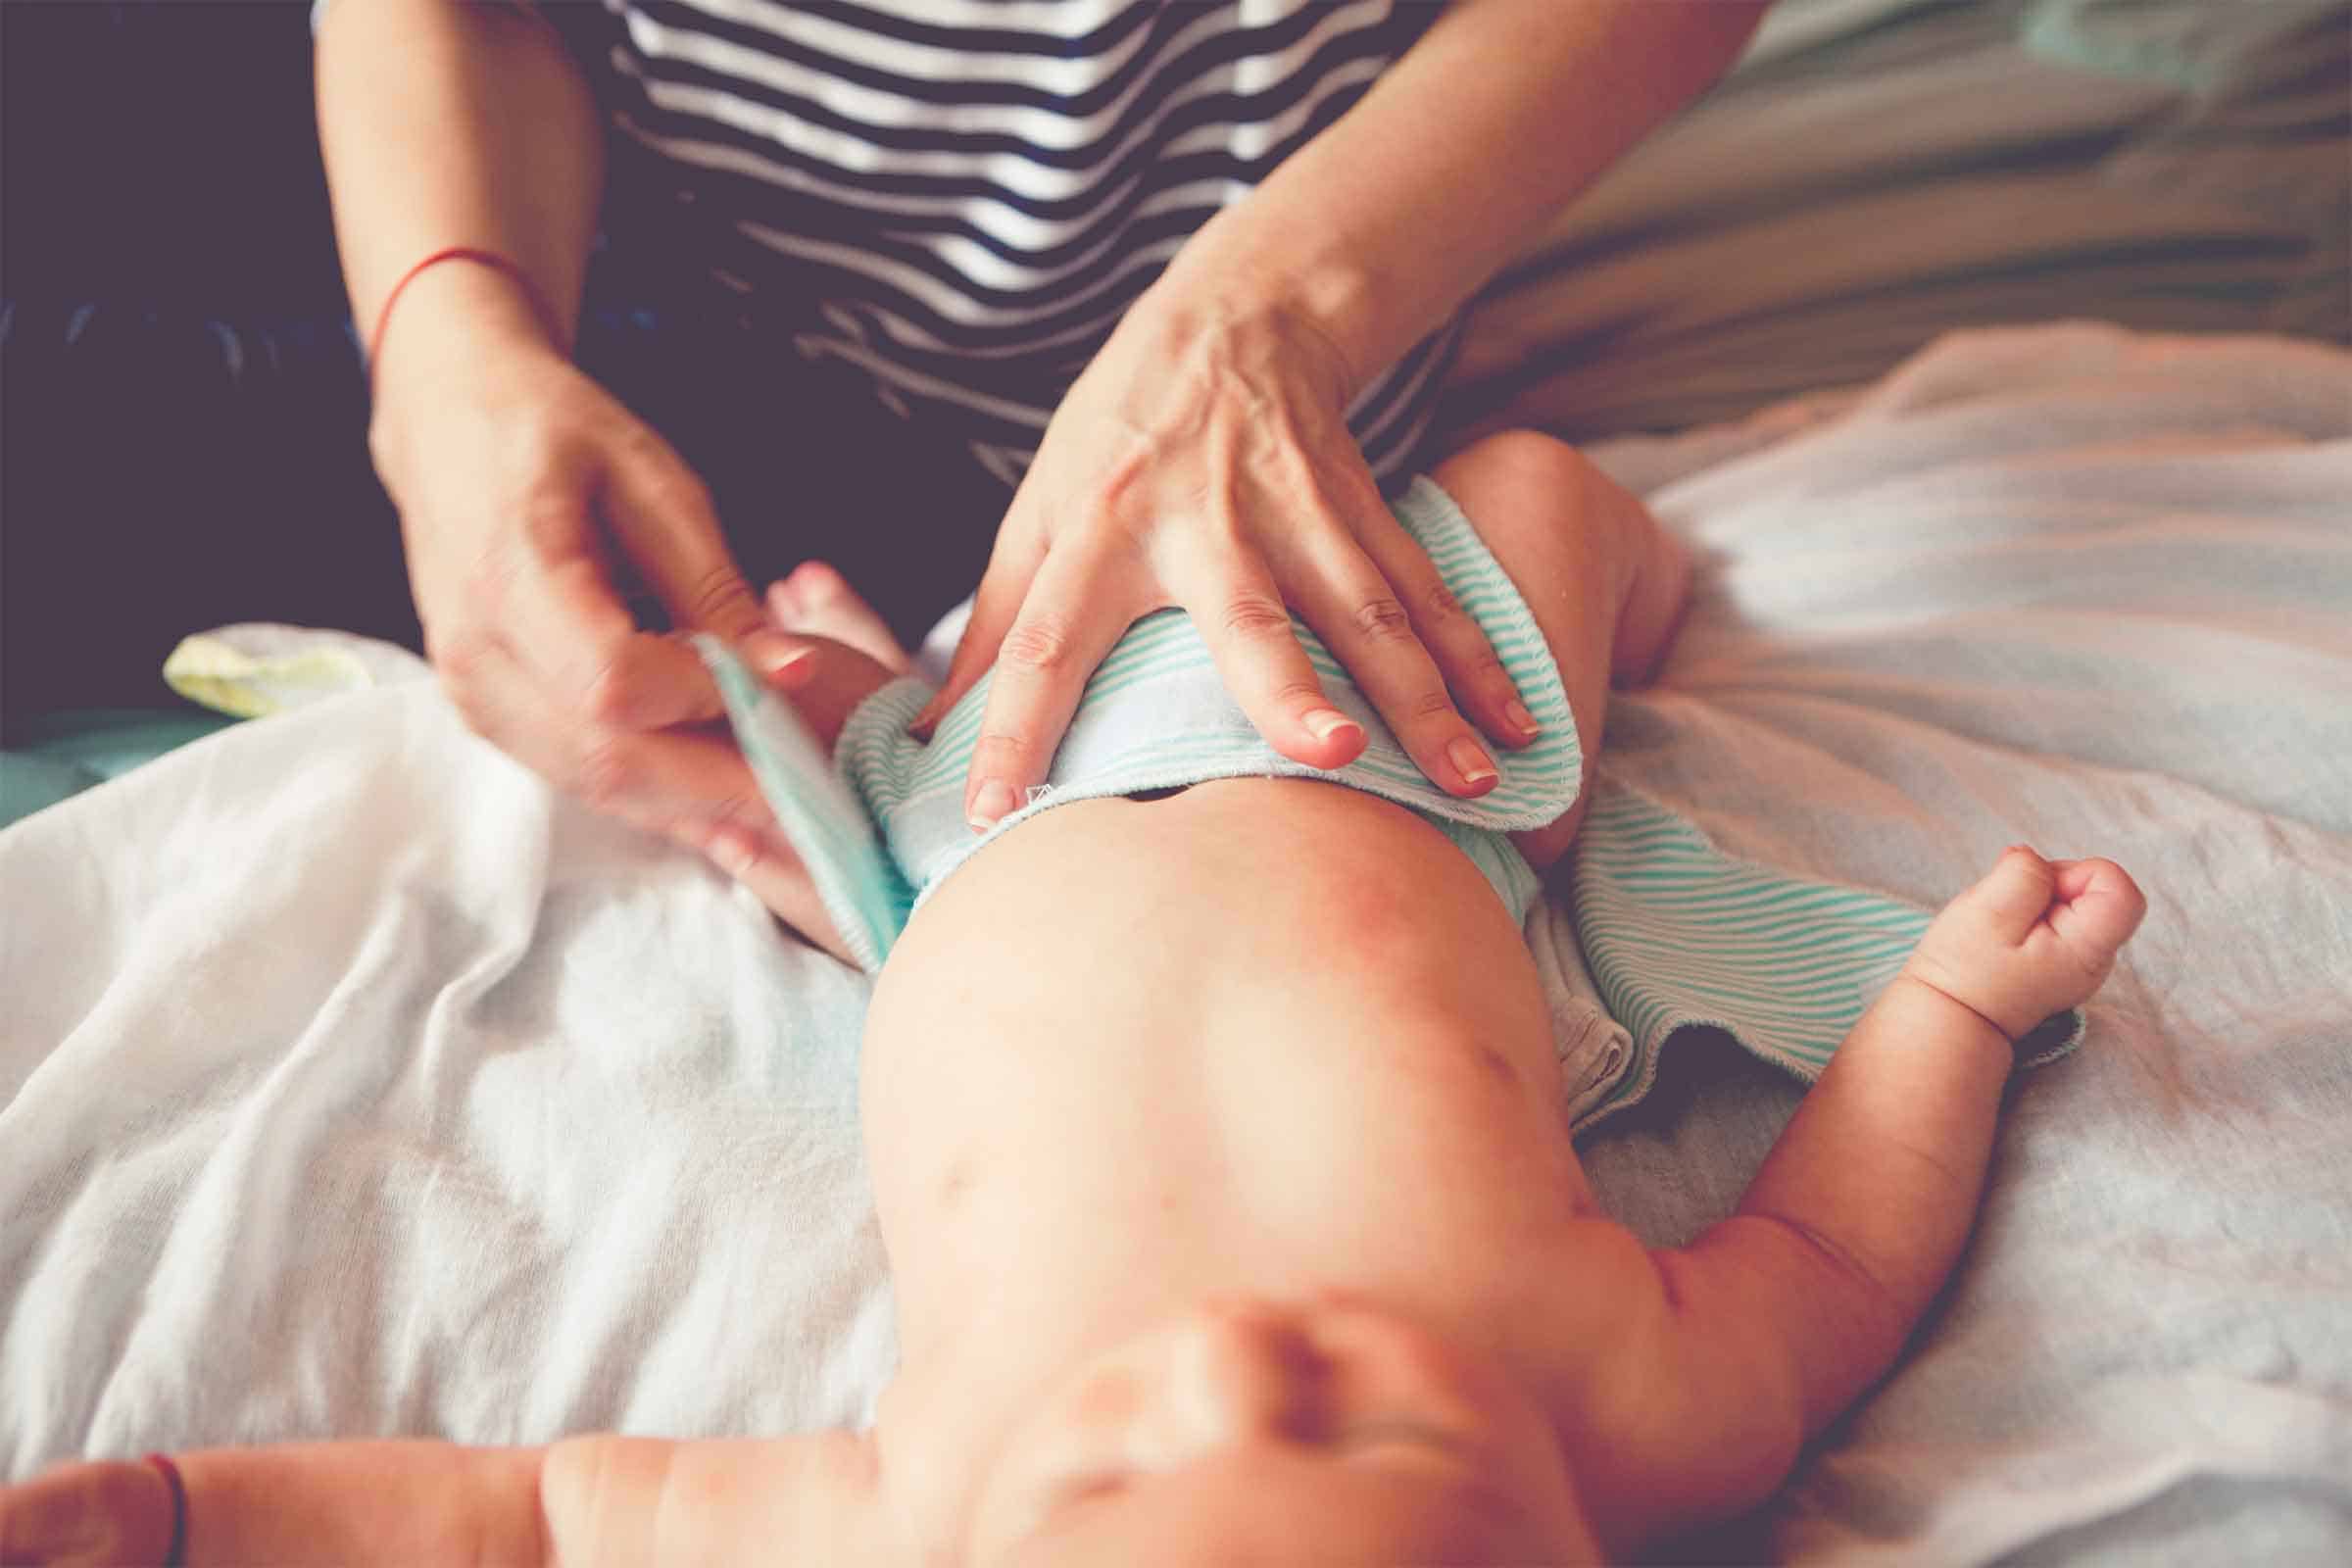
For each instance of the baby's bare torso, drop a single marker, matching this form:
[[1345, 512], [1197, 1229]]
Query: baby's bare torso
[[1286, 1042]]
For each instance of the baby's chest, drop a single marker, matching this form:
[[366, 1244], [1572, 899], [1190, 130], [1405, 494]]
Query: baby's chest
[[1233, 1146]]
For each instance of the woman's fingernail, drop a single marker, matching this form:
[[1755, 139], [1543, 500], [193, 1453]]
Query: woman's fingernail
[[1520, 720], [994, 801], [1325, 722], [1473, 763]]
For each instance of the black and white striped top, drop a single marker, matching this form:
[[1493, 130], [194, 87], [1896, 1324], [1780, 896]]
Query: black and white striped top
[[960, 197]]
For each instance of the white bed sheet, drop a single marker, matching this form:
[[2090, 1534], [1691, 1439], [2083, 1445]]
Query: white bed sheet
[[352, 1085]]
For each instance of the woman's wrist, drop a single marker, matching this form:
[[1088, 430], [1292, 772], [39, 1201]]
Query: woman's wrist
[[1250, 305], [455, 323], [452, 312], [469, 255]]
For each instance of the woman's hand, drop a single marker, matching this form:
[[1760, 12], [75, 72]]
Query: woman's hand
[[1203, 460], [531, 500]]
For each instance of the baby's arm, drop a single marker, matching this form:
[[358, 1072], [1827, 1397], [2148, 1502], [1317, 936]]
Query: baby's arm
[[1777, 1319], [583, 1501], [1862, 1209], [344, 1502]]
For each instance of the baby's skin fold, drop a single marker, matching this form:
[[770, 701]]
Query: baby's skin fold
[[1217, 1147]]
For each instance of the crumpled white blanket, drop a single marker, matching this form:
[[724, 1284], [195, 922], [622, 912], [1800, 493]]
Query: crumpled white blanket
[[350, 1084]]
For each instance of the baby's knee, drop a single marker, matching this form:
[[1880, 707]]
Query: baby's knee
[[1519, 472], [1561, 526], [1542, 505]]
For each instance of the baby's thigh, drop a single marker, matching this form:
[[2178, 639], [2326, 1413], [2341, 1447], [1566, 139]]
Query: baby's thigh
[[1591, 566]]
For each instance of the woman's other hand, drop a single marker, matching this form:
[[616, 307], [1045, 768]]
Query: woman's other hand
[[1203, 460], [530, 503]]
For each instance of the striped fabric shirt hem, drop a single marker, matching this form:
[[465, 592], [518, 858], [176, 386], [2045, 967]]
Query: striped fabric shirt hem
[[962, 200]]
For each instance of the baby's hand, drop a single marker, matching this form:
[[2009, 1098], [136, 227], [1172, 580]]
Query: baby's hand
[[87, 1514], [2033, 937]]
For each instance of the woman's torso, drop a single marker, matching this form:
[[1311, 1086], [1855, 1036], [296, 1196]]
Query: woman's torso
[[960, 197]]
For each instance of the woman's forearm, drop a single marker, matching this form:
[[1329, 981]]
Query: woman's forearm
[[447, 122], [1380, 228]]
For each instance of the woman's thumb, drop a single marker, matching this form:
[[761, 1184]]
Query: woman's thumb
[[662, 517]]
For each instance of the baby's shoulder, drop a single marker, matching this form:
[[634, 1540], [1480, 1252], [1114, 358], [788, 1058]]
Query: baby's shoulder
[[1666, 1414], [1600, 1296]]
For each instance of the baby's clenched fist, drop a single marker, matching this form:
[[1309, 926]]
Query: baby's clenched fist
[[2033, 938]]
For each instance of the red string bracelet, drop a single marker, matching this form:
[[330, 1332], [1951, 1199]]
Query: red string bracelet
[[480, 257], [177, 1557]]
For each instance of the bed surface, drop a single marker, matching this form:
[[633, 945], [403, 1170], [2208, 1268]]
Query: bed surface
[[354, 1085], [350, 1084]]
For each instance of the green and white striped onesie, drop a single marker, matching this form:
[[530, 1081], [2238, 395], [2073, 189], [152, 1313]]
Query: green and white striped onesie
[[1676, 932]]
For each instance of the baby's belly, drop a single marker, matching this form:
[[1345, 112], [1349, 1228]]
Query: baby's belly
[[1262, 1035]]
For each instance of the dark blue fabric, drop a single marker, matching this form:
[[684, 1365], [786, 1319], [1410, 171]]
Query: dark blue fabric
[[186, 412]]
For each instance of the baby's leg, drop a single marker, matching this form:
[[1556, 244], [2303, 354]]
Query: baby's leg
[[1604, 581], [817, 601]]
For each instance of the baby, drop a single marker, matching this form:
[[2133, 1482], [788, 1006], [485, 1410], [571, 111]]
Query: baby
[[1217, 1144]]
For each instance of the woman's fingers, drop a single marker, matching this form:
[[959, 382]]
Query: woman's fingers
[[652, 779], [582, 645], [777, 878], [1453, 639], [1367, 628], [1066, 623], [1012, 568], [564, 619], [1073, 614], [1371, 592], [1239, 612], [662, 517], [691, 786], [665, 777]]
